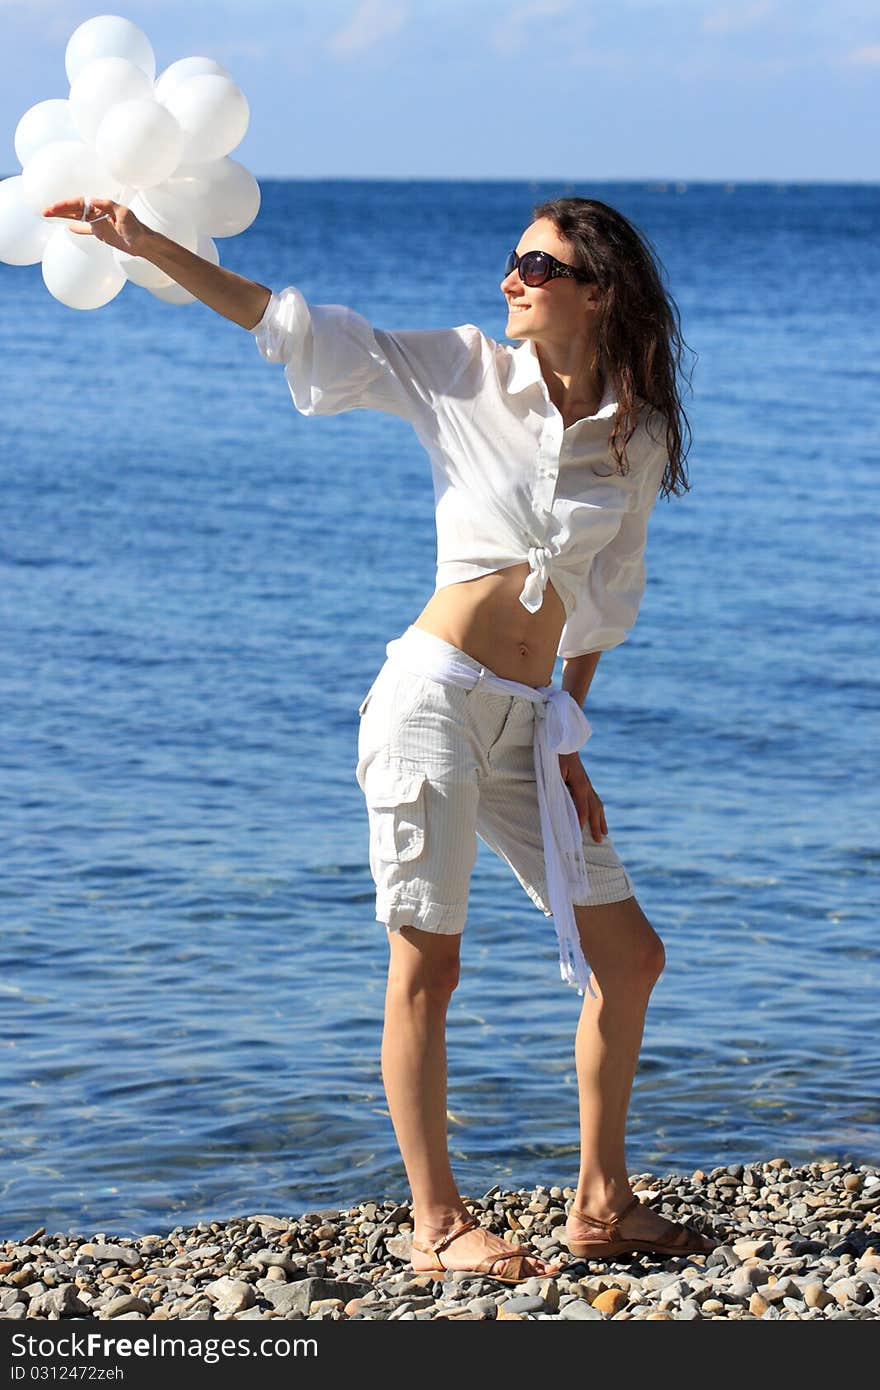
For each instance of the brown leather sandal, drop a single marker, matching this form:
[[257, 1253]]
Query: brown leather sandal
[[483, 1269], [617, 1244]]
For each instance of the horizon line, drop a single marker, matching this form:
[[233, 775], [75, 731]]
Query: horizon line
[[655, 182], [480, 178]]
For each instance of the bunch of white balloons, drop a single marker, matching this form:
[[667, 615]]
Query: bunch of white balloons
[[160, 148]]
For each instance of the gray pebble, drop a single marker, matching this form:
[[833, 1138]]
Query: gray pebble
[[125, 1303], [674, 1292], [277, 1258], [230, 1295], [853, 1290], [689, 1310], [524, 1303], [64, 1301], [580, 1311], [484, 1304], [723, 1255], [119, 1254]]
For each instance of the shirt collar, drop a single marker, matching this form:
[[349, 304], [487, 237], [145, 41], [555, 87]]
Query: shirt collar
[[525, 370]]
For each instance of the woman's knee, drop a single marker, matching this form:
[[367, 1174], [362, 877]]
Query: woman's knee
[[423, 963], [621, 945], [639, 971], [653, 957], [647, 957]]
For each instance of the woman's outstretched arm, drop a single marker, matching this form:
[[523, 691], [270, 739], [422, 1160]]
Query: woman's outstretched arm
[[334, 359], [235, 297]]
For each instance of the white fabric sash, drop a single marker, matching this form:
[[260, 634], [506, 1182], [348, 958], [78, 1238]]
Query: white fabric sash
[[560, 727]]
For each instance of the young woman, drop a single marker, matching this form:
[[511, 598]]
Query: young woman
[[547, 459]]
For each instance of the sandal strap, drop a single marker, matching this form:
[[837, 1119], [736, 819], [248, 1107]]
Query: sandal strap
[[435, 1246], [609, 1223], [426, 1250], [486, 1266]]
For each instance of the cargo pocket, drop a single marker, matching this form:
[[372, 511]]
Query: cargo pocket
[[509, 715], [396, 804]]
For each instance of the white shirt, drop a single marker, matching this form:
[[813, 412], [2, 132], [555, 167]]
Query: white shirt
[[510, 482]]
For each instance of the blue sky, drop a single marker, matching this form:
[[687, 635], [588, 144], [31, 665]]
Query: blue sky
[[782, 90]]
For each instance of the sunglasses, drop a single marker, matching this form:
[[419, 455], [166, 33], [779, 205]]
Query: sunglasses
[[537, 267]]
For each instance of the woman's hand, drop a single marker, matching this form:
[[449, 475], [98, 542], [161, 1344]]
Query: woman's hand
[[110, 222], [587, 803], [234, 296]]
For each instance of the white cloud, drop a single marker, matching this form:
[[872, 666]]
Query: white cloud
[[728, 18], [868, 56], [372, 21], [512, 33]]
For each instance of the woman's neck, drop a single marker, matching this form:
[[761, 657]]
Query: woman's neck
[[573, 376]]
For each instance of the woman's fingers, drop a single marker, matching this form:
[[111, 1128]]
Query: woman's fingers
[[116, 224], [596, 814], [583, 803], [68, 207], [598, 822], [587, 804], [85, 228], [75, 208]]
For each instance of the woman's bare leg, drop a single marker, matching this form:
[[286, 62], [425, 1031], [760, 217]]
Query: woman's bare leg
[[423, 971], [626, 957]]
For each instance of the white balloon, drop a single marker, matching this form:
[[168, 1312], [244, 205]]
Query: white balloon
[[141, 272], [80, 270], [208, 250], [175, 197], [159, 202], [171, 222], [108, 36], [213, 114], [41, 124], [221, 195], [140, 142], [183, 68], [66, 169], [101, 85], [160, 148], [23, 233], [176, 294]]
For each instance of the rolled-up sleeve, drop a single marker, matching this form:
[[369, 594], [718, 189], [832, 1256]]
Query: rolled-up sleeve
[[609, 601], [334, 359]]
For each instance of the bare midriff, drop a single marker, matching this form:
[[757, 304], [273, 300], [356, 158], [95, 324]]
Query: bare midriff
[[485, 618]]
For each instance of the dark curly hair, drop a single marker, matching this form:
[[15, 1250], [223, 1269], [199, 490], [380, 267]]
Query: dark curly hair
[[639, 326]]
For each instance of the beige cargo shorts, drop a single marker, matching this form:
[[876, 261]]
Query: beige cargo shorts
[[440, 765]]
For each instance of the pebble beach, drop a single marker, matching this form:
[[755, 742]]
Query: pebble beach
[[797, 1242]]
